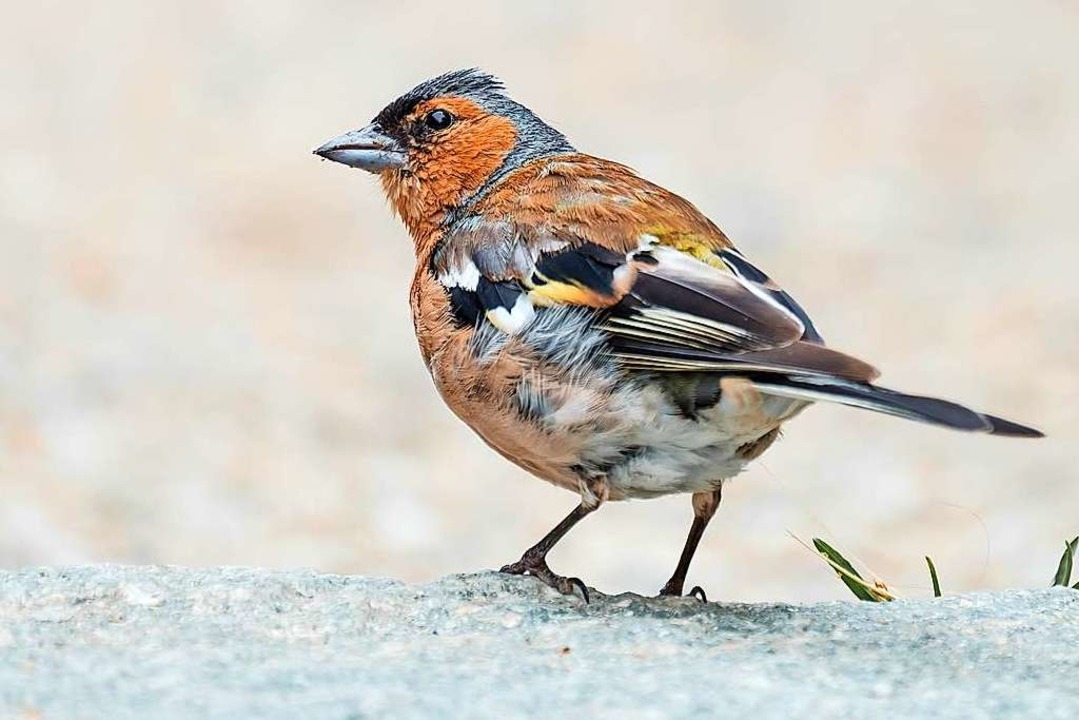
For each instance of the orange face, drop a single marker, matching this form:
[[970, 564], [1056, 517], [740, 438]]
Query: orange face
[[452, 147], [439, 147]]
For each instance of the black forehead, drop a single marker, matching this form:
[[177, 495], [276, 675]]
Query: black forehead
[[472, 83]]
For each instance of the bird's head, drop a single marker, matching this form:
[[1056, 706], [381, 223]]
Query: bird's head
[[443, 144]]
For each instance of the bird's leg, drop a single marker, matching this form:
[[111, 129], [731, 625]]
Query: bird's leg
[[534, 560], [704, 507]]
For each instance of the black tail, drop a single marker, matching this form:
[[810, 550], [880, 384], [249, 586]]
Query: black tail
[[912, 407]]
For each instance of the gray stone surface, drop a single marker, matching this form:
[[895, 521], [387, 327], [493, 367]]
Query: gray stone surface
[[163, 642]]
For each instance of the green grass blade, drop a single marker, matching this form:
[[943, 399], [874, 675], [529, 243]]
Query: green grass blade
[[859, 590], [933, 576], [1064, 569]]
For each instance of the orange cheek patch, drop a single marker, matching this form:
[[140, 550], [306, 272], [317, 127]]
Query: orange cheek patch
[[469, 153], [461, 158], [450, 164]]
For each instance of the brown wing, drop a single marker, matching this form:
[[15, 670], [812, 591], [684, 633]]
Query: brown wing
[[667, 286], [662, 281]]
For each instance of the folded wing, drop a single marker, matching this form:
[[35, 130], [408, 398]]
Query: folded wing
[[667, 288]]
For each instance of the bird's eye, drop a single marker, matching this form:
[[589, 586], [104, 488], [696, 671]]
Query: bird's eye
[[438, 119]]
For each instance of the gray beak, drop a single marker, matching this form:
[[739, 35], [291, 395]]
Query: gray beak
[[368, 149]]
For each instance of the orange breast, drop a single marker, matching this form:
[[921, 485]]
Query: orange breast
[[481, 392]]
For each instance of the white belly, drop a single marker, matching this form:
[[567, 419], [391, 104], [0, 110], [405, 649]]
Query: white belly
[[662, 451]]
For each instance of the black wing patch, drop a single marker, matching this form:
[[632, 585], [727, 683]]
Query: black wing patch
[[587, 265], [465, 305], [493, 295], [471, 306]]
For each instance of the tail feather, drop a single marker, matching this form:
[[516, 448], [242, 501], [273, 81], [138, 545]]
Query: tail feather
[[1007, 428], [870, 397]]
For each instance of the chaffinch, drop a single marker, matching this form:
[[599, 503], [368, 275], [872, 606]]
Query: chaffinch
[[594, 328]]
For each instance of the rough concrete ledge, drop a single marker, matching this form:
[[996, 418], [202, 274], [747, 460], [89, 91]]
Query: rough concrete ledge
[[162, 642]]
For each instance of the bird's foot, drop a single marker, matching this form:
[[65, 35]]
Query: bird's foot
[[537, 568], [672, 589]]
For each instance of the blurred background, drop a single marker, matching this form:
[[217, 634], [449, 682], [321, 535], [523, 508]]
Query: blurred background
[[206, 355]]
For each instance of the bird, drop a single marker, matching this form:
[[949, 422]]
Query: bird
[[592, 327]]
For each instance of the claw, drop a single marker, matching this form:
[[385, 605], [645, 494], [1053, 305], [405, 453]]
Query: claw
[[579, 584], [675, 590], [516, 568], [538, 569]]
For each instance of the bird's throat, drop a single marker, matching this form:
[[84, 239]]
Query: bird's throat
[[416, 204]]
